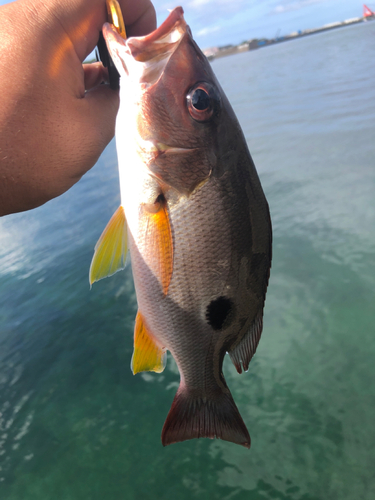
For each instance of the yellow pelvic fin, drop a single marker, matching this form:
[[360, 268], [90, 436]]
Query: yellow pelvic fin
[[111, 248], [147, 356], [159, 241]]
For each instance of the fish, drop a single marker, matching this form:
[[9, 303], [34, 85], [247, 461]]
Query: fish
[[195, 219]]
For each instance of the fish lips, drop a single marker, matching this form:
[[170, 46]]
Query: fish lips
[[144, 58]]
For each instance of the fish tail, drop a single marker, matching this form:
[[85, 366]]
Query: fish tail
[[193, 416]]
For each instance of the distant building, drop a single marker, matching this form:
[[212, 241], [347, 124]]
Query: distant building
[[211, 52], [332, 25], [253, 44], [256, 43], [352, 20]]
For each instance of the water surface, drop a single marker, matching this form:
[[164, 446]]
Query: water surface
[[74, 422]]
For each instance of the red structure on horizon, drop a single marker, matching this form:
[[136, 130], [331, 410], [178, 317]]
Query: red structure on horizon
[[367, 12]]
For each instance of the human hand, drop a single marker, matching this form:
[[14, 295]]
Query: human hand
[[51, 130]]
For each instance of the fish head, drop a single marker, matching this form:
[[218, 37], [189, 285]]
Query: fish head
[[171, 104]]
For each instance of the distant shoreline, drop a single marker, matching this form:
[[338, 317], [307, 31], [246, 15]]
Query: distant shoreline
[[256, 43]]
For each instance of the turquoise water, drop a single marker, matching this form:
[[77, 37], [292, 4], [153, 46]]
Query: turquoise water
[[74, 422]]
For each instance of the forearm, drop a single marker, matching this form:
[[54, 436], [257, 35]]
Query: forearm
[[53, 124], [15, 81]]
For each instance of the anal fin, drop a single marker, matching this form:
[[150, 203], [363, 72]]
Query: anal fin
[[147, 356], [111, 248], [245, 350]]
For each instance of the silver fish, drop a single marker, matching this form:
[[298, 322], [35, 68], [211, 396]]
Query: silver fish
[[197, 224]]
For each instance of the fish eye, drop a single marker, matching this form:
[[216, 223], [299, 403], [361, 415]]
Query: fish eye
[[200, 100], [203, 101]]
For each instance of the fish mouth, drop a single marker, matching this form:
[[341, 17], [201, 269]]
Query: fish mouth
[[152, 150], [160, 147], [144, 58]]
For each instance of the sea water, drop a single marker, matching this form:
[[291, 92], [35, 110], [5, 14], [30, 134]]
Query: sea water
[[76, 424]]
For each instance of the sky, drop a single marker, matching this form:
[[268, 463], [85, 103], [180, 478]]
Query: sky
[[224, 22]]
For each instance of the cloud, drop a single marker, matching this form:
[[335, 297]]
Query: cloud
[[222, 5], [287, 5], [197, 3], [209, 17], [208, 30]]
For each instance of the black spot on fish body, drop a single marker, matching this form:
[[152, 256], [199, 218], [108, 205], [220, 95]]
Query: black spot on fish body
[[218, 312]]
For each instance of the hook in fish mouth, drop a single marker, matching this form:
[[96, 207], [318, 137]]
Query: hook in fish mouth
[[144, 58]]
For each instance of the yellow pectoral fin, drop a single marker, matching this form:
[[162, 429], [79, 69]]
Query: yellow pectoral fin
[[147, 356], [159, 241], [111, 248]]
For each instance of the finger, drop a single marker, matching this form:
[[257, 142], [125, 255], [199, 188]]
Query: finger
[[140, 21], [94, 75], [83, 20]]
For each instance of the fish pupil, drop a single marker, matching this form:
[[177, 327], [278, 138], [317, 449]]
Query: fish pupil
[[200, 100], [217, 312]]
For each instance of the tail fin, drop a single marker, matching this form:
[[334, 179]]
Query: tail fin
[[196, 417]]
